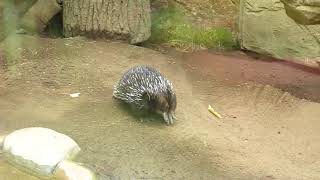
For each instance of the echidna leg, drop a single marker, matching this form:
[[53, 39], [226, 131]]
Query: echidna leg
[[174, 115], [166, 118], [171, 119]]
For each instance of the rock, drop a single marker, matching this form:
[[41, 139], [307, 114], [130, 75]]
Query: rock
[[35, 19], [11, 13], [303, 12], [264, 27], [67, 170], [38, 150]]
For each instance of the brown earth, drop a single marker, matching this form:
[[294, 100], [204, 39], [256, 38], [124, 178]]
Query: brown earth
[[268, 131], [239, 67]]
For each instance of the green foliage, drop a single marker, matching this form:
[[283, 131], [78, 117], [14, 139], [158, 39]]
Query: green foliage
[[171, 27]]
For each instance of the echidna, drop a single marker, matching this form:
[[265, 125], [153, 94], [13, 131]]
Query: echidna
[[145, 88]]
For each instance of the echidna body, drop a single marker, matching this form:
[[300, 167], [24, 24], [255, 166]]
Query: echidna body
[[147, 89]]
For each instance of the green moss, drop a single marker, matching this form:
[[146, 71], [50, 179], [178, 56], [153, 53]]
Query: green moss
[[170, 26]]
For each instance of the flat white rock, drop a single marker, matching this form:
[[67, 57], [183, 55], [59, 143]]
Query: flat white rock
[[39, 149]]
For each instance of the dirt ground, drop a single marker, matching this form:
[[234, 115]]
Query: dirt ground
[[269, 130], [205, 13]]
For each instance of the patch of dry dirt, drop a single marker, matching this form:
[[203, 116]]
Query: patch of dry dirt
[[267, 130], [212, 13], [205, 13]]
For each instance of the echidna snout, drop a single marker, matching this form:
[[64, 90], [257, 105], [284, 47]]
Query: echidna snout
[[163, 104]]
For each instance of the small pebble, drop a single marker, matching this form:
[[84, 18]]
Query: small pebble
[[75, 95]]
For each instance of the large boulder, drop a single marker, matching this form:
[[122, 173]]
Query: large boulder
[[266, 28], [11, 13], [303, 12], [38, 150], [37, 17], [31, 15]]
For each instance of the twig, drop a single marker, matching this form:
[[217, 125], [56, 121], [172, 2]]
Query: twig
[[214, 112]]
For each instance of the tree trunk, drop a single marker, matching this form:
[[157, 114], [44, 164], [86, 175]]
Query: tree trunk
[[127, 20]]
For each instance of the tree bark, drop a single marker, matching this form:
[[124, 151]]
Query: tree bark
[[128, 20]]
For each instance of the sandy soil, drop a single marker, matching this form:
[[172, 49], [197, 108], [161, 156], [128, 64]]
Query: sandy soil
[[269, 130]]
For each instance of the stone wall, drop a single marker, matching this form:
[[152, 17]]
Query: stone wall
[[305, 12], [265, 27]]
